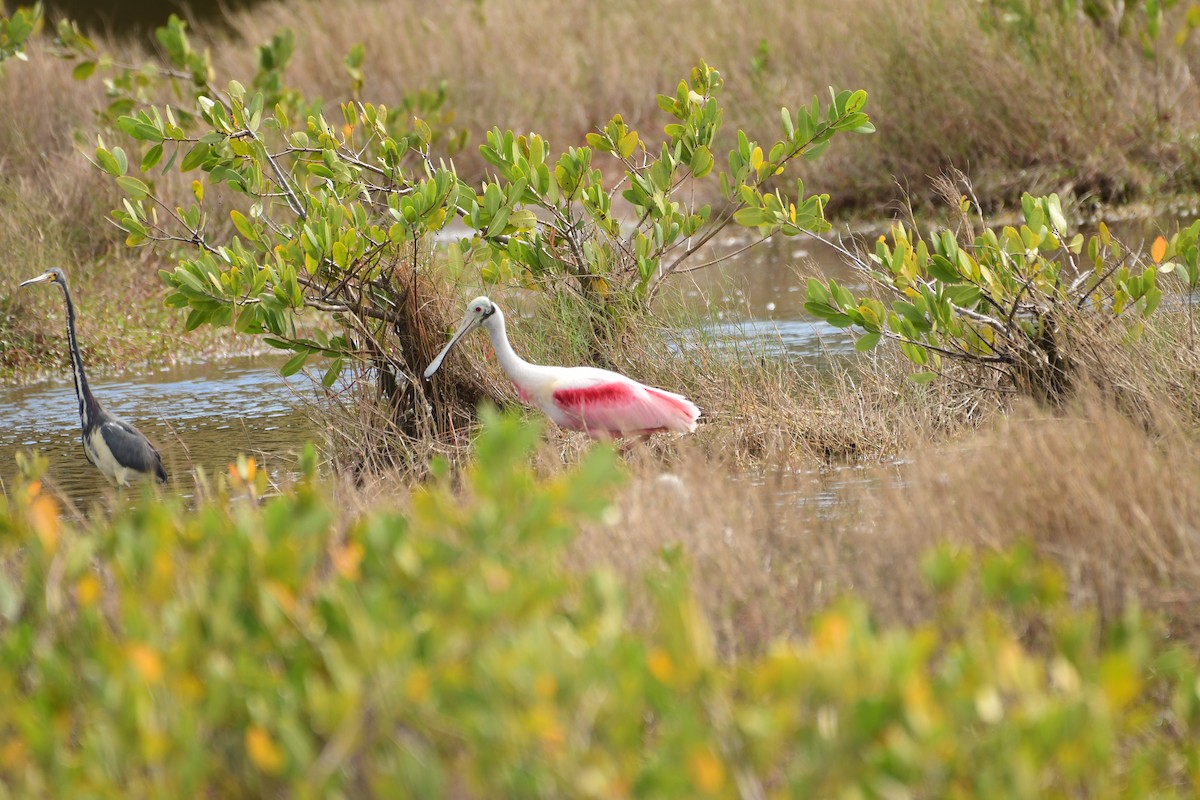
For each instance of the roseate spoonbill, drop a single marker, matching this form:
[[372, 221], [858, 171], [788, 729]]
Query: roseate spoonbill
[[604, 404], [115, 447]]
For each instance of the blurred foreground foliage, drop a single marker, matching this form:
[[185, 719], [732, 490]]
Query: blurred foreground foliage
[[287, 647]]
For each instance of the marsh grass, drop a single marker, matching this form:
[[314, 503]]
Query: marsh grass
[[1074, 108], [875, 471], [1114, 505], [54, 207]]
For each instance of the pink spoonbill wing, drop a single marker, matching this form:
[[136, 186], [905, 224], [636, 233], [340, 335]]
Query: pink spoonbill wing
[[624, 408]]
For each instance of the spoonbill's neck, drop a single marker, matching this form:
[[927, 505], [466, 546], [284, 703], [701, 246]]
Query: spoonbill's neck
[[519, 371]]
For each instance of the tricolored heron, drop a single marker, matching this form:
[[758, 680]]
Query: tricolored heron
[[115, 447], [604, 404]]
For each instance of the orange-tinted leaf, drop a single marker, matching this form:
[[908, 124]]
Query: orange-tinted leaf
[[1158, 250]]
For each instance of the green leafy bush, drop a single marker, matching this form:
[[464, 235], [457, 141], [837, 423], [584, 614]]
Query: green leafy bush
[[1141, 19], [279, 646], [1014, 303], [15, 30]]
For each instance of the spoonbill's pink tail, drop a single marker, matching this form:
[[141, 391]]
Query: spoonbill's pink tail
[[682, 409]]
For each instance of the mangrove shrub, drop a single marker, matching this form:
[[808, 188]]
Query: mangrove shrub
[[1018, 304]]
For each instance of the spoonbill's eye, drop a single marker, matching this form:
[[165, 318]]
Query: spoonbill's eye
[[478, 309]]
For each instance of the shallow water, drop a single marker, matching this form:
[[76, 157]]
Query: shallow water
[[758, 297], [767, 282], [198, 415]]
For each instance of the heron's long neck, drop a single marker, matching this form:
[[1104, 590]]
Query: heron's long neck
[[88, 407], [520, 371]]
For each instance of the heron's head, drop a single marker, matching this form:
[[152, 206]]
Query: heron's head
[[479, 311], [54, 275]]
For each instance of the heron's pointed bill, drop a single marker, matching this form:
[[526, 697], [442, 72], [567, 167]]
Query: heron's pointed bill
[[469, 323], [45, 276]]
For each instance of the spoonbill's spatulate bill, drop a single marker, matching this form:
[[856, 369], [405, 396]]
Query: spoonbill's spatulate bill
[[115, 447], [605, 404]]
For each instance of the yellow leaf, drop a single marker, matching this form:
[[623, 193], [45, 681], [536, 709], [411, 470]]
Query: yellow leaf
[[707, 771], [416, 685], [189, 688], [13, 754], [695, 624], [831, 632], [43, 514], [87, 590], [346, 560], [596, 781], [1063, 676], [263, 751], [917, 700], [164, 566], [549, 730], [1158, 250], [1120, 680], [545, 685], [1010, 662], [660, 665], [198, 191], [989, 705], [283, 595], [146, 662]]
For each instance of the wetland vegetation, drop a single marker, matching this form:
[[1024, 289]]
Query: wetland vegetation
[[958, 559]]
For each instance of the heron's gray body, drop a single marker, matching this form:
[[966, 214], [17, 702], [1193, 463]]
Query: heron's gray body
[[115, 447], [121, 452]]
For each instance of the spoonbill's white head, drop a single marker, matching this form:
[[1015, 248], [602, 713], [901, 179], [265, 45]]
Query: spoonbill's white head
[[479, 311]]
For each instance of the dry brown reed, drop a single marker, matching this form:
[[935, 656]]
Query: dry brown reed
[[1076, 109], [1107, 485], [1115, 508], [53, 210], [381, 415]]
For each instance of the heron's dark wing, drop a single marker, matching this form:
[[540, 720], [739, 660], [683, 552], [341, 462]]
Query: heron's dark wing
[[131, 449]]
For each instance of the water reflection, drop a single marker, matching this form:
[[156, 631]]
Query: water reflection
[[767, 281], [808, 340], [758, 297], [198, 415]]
